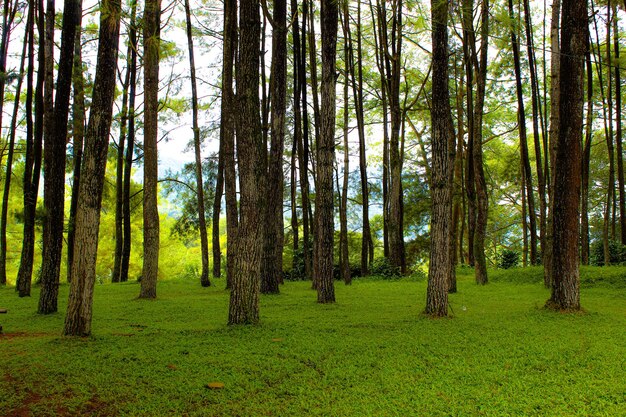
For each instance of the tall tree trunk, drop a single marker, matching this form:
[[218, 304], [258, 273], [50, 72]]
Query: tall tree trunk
[[204, 241], [297, 128], [344, 263], [244, 296], [565, 273], [442, 149], [610, 192], [618, 129], [521, 119], [227, 134], [32, 165], [54, 184], [458, 179], [78, 133], [79, 309], [536, 106], [584, 217], [130, 142], [274, 238], [553, 133], [303, 155], [9, 166], [324, 202], [151, 41], [367, 246], [482, 198]]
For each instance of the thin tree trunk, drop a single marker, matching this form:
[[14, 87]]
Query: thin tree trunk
[[609, 145], [244, 296], [79, 309], [297, 133], [151, 29], [482, 198], [32, 166], [204, 241], [344, 263], [565, 272], [553, 133], [521, 118], [584, 217], [618, 129], [54, 185], [274, 238], [442, 149], [324, 202], [130, 142], [9, 166]]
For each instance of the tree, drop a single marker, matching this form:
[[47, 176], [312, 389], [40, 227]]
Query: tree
[[565, 274], [244, 296], [204, 242], [272, 268], [151, 29], [79, 309], [326, 155], [34, 141], [442, 148], [54, 169]]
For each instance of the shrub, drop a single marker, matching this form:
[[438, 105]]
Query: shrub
[[508, 258], [381, 267], [617, 253]]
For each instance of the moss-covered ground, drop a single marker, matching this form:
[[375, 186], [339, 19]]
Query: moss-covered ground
[[372, 353]]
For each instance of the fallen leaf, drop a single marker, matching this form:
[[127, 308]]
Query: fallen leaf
[[215, 385]]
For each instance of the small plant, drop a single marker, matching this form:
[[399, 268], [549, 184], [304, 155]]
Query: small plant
[[508, 258], [617, 253], [381, 267]]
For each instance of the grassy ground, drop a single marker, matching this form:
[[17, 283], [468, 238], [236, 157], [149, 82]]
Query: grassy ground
[[371, 353]]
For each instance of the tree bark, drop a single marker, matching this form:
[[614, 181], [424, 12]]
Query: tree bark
[[244, 296], [204, 241], [442, 149], [130, 141], [151, 29], [9, 166], [54, 184], [227, 134], [584, 217], [618, 129], [326, 155], [274, 238], [34, 139], [79, 309], [566, 289], [344, 263]]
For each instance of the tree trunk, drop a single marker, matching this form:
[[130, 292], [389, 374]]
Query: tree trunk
[[274, 239], [79, 309], [204, 241], [442, 149], [482, 198], [244, 296], [521, 119], [565, 274], [130, 142], [9, 167], [584, 217], [609, 145], [34, 139], [297, 129], [324, 202], [54, 184], [227, 134], [553, 133], [618, 130], [344, 263], [151, 29]]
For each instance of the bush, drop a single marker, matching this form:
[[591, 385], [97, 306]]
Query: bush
[[508, 258], [617, 253], [381, 267]]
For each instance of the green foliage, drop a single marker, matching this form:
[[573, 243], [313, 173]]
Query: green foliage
[[508, 258], [617, 253], [381, 267], [590, 276], [502, 354]]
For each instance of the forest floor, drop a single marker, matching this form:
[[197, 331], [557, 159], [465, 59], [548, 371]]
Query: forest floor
[[371, 353]]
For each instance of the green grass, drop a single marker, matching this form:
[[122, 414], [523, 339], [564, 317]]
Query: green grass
[[371, 353]]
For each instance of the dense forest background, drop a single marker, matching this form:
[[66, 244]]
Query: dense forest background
[[317, 158]]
